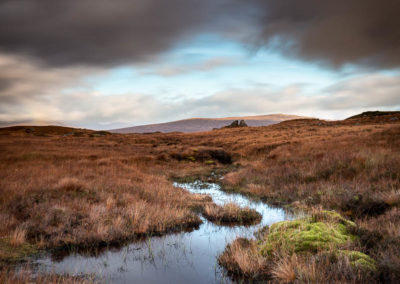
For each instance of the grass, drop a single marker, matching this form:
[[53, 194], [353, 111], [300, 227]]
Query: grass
[[304, 236], [291, 251], [26, 275], [231, 214], [84, 196], [241, 258], [12, 252], [66, 188]]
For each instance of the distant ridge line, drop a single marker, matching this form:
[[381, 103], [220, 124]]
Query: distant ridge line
[[206, 124]]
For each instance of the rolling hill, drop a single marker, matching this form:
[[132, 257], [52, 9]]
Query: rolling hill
[[205, 124]]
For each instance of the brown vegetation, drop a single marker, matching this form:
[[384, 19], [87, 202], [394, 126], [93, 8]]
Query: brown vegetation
[[316, 249], [64, 187], [60, 191], [231, 214], [25, 275], [240, 258]]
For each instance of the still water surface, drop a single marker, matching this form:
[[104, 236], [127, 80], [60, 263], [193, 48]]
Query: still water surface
[[187, 257]]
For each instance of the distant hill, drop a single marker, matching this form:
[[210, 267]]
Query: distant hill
[[47, 130], [30, 123], [205, 124], [367, 114]]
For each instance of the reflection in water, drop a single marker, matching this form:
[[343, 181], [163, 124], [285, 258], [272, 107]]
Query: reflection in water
[[187, 257]]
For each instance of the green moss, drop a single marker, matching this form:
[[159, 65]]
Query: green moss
[[209, 162], [332, 217], [12, 254], [191, 158], [307, 235], [318, 237], [359, 260]]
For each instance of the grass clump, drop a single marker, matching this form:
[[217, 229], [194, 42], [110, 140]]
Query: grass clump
[[231, 214], [29, 275], [331, 217], [322, 231], [304, 236], [11, 252], [241, 258], [312, 249], [359, 260]]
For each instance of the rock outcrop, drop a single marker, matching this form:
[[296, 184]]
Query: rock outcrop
[[237, 123]]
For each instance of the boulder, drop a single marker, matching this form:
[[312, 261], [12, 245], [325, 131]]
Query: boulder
[[242, 123], [237, 123], [234, 124]]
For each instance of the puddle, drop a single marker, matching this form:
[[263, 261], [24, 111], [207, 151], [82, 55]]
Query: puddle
[[187, 257]]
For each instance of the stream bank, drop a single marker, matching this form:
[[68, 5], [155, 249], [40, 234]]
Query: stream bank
[[185, 257]]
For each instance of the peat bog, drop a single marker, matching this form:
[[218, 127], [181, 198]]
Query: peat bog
[[64, 189]]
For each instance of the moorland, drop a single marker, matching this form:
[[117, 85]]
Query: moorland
[[65, 188]]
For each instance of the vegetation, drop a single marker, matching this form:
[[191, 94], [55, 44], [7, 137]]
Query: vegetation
[[15, 249], [67, 188], [231, 214], [26, 275], [281, 249], [304, 236]]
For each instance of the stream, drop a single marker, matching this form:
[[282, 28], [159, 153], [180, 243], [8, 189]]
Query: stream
[[186, 257]]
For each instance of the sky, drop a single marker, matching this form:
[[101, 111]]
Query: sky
[[105, 64]]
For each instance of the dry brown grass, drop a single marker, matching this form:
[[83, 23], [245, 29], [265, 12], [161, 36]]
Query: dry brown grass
[[231, 214], [284, 269], [88, 189], [18, 237], [241, 258], [25, 275], [81, 191], [316, 258]]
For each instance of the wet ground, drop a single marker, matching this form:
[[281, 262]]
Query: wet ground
[[187, 257]]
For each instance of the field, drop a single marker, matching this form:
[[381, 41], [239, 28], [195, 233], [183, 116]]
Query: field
[[65, 189]]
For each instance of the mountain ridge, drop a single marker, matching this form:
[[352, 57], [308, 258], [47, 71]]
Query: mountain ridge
[[199, 124]]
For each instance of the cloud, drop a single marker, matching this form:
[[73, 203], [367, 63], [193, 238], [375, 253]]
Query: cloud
[[364, 32], [203, 66], [104, 32], [371, 91], [47, 48], [38, 93], [25, 85]]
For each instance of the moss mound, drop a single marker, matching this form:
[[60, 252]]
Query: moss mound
[[359, 260], [298, 249], [332, 217], [324, 231]]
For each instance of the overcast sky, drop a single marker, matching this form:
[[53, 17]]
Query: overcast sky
[[113, 63]]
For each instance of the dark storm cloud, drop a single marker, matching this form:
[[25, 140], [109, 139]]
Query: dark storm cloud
[[365, 32], [109, 32], [102, 32]]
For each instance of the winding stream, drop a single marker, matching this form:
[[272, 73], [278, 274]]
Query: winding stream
[[186, 257]]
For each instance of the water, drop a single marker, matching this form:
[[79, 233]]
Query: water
[[187, 257]]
